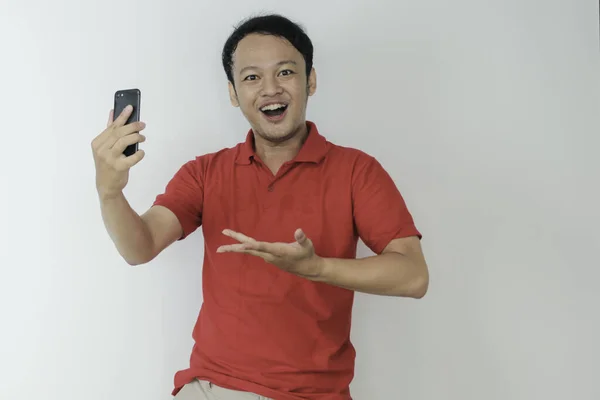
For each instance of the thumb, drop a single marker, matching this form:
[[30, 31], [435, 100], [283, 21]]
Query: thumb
[[301, 238]]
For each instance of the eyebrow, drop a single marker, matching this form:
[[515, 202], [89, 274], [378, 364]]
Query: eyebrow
[[279, 64]]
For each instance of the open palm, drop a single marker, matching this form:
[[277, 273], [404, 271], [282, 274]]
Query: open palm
[[297, 257]]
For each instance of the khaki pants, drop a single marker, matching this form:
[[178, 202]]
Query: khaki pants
[[203, 390]]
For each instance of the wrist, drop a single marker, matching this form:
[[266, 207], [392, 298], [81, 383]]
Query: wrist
[[108, 196], [322, 269]]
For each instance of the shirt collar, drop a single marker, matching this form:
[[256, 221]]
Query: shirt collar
[[313, 149]]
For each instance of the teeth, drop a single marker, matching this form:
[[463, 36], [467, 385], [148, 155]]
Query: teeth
[[272, 107]]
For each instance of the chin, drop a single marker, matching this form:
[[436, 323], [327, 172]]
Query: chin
[[277, 132]]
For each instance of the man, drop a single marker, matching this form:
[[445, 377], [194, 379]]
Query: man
[[281, 214]]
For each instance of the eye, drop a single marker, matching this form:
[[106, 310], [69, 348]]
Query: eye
[[286, 72], [250, 78]]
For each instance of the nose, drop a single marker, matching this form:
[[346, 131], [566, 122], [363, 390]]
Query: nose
[[270, 86]]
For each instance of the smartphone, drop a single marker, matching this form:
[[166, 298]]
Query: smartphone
[[123, 98]]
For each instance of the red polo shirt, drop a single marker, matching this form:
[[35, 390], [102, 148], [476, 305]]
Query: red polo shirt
[[260, 329]]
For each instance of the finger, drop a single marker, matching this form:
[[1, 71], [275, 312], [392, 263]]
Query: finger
[[232, 248], [302, 239], [113, 135], [122, 118], [121, 144], [277, 249], [240, 237], [300, 236], [270, 258], [240, 248], [128, 129], [100, 141], [108, 138], [124, 163], [110, 118]]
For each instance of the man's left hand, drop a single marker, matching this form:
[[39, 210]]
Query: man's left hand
[[297, 257]]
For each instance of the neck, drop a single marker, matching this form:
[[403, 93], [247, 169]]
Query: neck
[[275, 154]]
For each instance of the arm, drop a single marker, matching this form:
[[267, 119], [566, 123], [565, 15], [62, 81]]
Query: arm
[[386, 226], [400, 270], [139, 239], [175, 214]]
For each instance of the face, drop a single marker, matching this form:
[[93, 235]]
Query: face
[[271, 86]]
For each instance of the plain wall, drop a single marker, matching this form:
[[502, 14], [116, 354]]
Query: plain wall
[[485, 113]]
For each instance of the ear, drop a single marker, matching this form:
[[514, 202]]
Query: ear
[[312, 82], [233, 95]]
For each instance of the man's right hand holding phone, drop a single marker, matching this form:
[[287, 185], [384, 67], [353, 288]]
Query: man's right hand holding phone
[[112, 166]]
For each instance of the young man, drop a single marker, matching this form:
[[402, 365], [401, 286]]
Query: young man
[[281, 214]]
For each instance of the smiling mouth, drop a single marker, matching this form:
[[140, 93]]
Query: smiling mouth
[[274, 110]]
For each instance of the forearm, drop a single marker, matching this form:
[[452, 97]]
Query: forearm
[[390, 274], [128, 231]]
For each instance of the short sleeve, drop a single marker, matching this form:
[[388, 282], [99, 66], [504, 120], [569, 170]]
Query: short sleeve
[[380, 212], [184, 196]]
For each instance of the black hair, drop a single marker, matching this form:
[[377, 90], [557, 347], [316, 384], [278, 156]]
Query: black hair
[[271, 24]]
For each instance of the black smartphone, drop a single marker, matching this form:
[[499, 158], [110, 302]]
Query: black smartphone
[[123, 98]]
